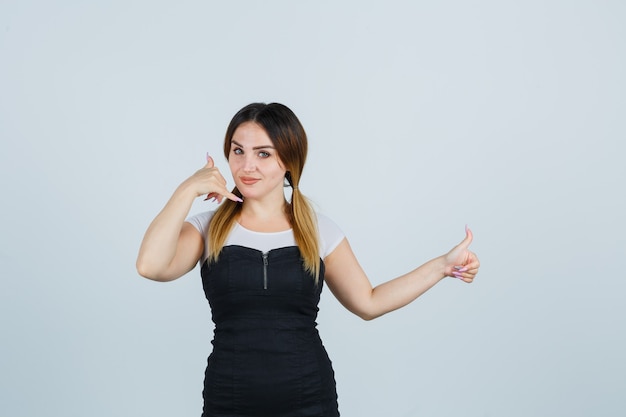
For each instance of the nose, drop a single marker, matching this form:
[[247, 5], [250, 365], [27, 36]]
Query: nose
[[249, 163]]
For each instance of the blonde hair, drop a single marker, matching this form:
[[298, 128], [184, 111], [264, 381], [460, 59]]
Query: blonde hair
[[289, 139]]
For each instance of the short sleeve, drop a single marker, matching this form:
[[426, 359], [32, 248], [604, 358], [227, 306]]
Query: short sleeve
[[201, 221], [330, 235]]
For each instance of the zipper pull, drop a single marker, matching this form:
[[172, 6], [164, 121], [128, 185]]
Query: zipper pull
[[265, 262]]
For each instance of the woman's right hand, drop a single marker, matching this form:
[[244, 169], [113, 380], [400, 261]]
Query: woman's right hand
[[208, 180], [171, 247]]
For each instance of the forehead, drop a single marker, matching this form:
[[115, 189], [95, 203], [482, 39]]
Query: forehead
[[251, 134]]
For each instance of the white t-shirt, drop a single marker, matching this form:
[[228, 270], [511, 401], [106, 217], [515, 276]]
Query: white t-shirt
[[330, 235]]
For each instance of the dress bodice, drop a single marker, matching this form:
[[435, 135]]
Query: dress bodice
[[268, 358], [248, 283]]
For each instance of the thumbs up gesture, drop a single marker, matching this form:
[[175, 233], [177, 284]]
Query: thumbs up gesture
[[462, 263]]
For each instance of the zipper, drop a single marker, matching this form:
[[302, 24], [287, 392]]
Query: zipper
[[265, 271]]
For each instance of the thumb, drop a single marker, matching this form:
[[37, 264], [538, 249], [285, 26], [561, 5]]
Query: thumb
[[209, 161], [469, 236]]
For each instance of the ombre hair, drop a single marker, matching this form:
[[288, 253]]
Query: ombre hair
[[289, 139]]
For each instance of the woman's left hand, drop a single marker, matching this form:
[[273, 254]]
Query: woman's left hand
[[460, 262]]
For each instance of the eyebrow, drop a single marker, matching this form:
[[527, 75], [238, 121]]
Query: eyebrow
[[254, 148]]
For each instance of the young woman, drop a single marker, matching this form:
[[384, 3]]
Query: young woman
[[264, 261]]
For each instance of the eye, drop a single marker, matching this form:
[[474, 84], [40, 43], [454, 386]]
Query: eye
[[237, 151], [264, 154]]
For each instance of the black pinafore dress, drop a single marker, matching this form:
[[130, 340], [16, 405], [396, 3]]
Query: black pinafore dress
[[268, 358]]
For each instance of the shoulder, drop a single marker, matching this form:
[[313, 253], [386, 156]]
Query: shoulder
[[325, 223], [330, 234], [201, 221]]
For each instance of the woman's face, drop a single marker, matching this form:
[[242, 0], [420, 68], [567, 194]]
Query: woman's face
[[254, 163]]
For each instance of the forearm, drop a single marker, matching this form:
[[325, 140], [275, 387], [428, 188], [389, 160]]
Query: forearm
[[401, 291], [160, 241], [347, 280]]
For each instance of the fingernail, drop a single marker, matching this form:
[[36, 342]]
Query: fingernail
[[239, 200], [463, 270], [207, 157], [457, 274], [458, 267]]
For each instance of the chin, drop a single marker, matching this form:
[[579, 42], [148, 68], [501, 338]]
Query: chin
[[247, 193]]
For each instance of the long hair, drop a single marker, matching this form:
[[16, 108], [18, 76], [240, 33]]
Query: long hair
[[289, 139]]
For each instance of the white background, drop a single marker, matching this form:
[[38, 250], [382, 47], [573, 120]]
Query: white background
[[422, 117]]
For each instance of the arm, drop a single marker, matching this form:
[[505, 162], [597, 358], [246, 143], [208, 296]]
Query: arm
[[349, 283], [171, 247]]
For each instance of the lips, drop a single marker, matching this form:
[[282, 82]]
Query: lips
[[249, 180]]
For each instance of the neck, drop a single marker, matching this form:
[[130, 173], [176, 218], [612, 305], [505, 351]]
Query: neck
[[264, 209], [264, 216]]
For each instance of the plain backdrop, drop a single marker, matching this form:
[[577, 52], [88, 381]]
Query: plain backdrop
[[422, 117]]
